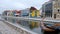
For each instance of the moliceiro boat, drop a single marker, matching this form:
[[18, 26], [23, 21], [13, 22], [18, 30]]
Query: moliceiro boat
[[50, 27]]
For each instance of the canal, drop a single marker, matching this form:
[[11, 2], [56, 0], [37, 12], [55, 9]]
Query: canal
[[29, 25]]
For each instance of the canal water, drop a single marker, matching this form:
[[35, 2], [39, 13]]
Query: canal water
[[30, 25]]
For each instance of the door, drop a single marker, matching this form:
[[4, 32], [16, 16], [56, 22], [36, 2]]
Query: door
[[54, 16]]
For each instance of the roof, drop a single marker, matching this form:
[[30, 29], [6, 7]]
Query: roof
[[33, 8]]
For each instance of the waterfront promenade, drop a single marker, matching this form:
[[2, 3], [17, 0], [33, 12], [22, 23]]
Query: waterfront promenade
[[5, 29], [9, 28], [13, 28]]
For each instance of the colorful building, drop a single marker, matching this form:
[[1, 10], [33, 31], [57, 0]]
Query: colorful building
[[34, 12], [17, 12], [12, 13], [8, 13], [29, 12]]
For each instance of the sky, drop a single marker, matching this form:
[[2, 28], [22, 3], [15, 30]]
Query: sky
[[20, 4]]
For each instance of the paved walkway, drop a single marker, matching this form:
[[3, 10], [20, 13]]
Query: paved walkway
[[5, 29]]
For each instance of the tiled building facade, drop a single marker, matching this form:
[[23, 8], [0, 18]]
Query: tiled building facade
[[51, 9]]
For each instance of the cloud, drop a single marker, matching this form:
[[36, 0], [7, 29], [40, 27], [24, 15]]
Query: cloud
[[20, 4]]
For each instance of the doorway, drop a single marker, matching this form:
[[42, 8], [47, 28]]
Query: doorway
[[54, 16]]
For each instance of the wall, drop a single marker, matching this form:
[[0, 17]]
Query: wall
[[56, 9]]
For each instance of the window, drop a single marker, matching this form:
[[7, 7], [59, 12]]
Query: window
[[58, 10], [48, 10]]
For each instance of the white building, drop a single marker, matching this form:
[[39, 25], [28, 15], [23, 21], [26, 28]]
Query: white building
[[51, 9]]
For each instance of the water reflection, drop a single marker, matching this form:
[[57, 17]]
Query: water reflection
[[33, 25], [30, 25]]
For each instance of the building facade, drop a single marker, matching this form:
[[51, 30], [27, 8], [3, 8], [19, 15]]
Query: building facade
[[34, 12], [12, 13], [25, 12], [51, 9], [8, 13]]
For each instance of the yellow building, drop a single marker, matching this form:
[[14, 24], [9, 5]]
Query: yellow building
[[35, 13], [38, 13]]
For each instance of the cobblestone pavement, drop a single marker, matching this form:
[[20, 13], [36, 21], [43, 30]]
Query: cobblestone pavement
[[5, 29]]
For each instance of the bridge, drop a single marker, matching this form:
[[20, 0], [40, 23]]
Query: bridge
[[8, 27]]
